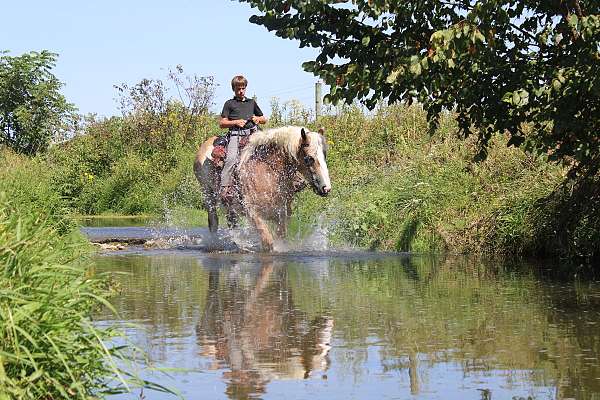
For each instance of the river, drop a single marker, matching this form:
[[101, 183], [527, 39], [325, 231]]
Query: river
[[345, 324]]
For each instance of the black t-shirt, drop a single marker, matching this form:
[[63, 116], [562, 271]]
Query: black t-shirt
[[241, 109]]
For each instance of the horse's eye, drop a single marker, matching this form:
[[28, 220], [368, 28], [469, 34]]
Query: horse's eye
[[309, 161]]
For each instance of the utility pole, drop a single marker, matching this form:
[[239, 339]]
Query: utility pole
[[318, 100]]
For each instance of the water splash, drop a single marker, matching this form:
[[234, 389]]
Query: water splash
[[316, 240]]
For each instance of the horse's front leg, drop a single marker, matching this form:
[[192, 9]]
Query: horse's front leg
[[261, 226], [282, 222]]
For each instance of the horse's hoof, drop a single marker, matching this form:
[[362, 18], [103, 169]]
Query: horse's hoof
[[267, 248]]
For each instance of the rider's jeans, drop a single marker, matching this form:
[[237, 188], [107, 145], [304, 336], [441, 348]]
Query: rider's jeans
[[230, 160]]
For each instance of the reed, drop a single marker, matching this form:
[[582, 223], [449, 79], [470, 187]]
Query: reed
[[50, 347]]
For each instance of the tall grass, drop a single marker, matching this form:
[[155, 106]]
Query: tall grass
[[397, 188], [49, 346]]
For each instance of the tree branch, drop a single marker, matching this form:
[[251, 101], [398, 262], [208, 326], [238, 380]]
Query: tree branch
[[577, 7]]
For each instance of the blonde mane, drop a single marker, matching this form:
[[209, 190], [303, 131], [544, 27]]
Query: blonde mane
[[286, 138]]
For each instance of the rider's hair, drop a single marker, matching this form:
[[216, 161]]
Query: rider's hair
[[238, 80]]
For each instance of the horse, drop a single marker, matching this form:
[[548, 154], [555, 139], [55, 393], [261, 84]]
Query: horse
[[265, 178]]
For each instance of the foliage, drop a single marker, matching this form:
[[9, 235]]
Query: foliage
[[49, 346], [499, 64], [569, 220], [155, 119], [291, 112], [140, 162], [32, 110], [28, 181], [397, 188]]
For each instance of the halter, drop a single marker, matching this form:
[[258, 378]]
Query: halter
[[308, 160]]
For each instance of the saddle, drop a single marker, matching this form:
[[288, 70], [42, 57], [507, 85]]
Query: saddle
[[219, 152]]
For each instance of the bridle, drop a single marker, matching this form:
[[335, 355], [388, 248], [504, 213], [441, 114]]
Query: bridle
[[308, 160], [308, 163]]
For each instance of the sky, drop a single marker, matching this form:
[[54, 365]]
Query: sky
[[105, 43]]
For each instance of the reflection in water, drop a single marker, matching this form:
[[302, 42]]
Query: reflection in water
[[254, 329], [263, 326]]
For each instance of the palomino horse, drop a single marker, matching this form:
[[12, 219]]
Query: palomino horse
[[264, 178]]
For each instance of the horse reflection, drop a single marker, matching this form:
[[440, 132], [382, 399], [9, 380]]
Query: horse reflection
[[256, 332]]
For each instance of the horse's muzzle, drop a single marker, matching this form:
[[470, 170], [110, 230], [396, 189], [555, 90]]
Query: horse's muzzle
[[324, 191]]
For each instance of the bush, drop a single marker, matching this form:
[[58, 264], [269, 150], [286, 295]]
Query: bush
[[397, 188], [111, 169]]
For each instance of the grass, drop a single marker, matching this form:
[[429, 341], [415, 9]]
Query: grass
[[397, 188], [49, 346]]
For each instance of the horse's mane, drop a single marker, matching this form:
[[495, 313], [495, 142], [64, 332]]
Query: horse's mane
[[287, 138]]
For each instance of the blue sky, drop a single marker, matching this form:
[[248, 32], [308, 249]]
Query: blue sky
[[101, 44]]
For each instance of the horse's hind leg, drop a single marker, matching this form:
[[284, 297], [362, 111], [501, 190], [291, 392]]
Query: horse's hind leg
[[211, 204], [213, 218], [266, 238]]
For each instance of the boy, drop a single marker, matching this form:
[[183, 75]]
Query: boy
[[241, 116]]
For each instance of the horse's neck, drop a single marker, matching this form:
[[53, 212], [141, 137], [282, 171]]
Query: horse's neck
[[278, 159]]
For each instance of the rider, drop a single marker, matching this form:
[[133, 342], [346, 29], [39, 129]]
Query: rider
[[241, 116]]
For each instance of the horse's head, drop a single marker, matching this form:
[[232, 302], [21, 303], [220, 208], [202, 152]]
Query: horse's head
[[313, 164]]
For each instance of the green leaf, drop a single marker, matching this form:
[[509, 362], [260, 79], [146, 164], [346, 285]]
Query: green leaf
[[391, 78], [523, 97], [365, 40], [415, 69], [516, 99], [478, 37], [573, 20], [556, 84]]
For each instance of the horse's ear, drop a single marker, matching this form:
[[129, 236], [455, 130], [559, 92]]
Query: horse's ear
[[321, 130], [303, 134]]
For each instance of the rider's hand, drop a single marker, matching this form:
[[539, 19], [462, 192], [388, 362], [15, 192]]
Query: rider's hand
[[240, 123], [255, 119]]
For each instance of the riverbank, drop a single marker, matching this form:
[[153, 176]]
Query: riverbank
[[395, 186], [398, 188]]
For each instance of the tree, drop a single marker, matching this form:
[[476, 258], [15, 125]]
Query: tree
[[32, 111], [157, 117], [530, 69]]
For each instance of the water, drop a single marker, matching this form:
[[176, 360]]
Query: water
[[352, 325]]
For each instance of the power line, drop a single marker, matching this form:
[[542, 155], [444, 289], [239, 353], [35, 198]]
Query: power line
[[289, 90]]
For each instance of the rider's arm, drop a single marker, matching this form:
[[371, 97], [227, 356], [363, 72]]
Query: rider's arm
[[226, 123], [259, 119]]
